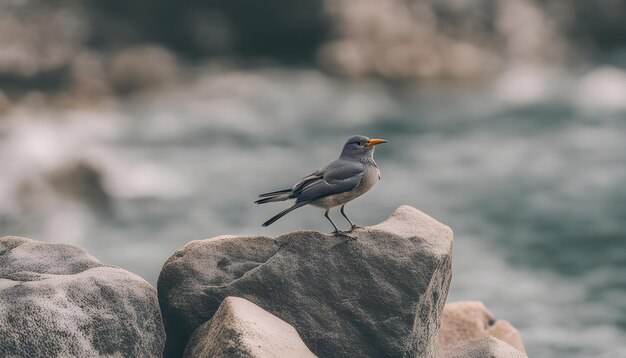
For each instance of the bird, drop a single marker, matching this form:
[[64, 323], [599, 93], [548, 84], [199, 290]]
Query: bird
[[337, 183]]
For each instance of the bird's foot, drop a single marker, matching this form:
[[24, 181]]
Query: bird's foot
[[354, 227], [344, 233]]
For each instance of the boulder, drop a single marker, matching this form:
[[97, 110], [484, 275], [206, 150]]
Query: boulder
[[240, 328], [58, 301], [379, 295], [485, 347], [467, 321]]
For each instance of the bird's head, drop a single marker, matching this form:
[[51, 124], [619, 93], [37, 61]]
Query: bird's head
[[360, 146]]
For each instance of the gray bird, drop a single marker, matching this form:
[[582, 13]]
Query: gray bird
[[342, 180]]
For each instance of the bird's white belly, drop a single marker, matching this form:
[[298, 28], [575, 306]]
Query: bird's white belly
[[369, 179]]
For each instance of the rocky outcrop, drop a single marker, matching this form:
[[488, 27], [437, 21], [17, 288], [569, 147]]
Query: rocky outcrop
[[58, 301], [240, 328], [465, 323], [379, 295]]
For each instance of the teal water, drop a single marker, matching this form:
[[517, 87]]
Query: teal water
[[529, 171]]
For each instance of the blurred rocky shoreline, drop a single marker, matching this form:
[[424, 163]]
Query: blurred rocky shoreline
[[303, 294], [76, 53]]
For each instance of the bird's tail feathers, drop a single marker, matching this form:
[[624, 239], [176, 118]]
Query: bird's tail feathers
[[273, 193], [275, 196], [283, 213]]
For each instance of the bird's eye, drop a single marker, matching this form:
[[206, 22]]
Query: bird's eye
[[358, 143]]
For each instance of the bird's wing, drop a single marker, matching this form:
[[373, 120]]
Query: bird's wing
[[306, 181], [341, 170], [337, 177]]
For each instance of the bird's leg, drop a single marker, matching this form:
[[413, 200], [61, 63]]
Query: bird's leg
[[337, 231], [335, 226], [353, 226]]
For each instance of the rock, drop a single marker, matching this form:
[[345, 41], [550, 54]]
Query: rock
[[37, 40], [240, 328], [58, 301], [82, 181], [466, 321], [380, 295], [5, 103], [486, 347], [403, 39], [140, 68]]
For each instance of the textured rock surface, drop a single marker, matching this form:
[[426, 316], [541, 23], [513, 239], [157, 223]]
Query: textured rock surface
[[57, 301], [240, 328], [381, 295], [466, 321], [486, 347]]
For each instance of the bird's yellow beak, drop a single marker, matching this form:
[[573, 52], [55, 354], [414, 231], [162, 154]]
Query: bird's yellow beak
[[373, 142]]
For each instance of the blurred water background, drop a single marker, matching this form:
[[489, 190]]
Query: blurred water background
[[132, 128]]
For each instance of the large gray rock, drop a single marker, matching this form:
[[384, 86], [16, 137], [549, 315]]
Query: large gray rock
[[240, 328], [380, 295], [485, 347], [58, 301], [468, 321]]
